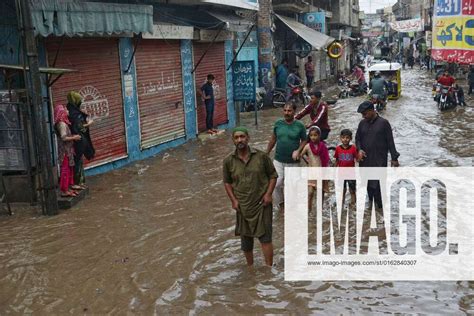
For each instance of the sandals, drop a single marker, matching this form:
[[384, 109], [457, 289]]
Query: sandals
[[69, 194]]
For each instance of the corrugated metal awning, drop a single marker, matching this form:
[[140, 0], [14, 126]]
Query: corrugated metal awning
[[234, 23], [75, 18], [316, 39]]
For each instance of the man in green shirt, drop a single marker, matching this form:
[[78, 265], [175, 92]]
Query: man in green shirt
[[289, 135], [249, 180]]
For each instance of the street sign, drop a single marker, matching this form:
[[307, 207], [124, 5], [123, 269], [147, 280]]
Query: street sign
[[243, 75]]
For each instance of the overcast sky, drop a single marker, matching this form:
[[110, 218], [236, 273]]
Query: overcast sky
[[369, 6]]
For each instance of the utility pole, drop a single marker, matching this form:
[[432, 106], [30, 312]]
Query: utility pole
[[47, 184], [264, 25]]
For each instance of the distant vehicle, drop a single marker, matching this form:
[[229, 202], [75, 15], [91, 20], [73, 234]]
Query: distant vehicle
[[299, 95], [259, 97], [391, 73]]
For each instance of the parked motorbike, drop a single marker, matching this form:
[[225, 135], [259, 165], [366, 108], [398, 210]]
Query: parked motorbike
[[259, 97], [352, 89], [345, 88]]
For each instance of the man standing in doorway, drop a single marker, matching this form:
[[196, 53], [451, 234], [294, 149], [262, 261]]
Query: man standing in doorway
[[309, 71], [289, 136], [318, 112], [374, 139], [208, 97], [249, 180]]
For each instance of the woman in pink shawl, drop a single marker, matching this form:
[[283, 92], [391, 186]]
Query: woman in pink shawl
[[65, 150], [317, 156]]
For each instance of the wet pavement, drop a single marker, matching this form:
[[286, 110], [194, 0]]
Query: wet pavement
[[157, 237]]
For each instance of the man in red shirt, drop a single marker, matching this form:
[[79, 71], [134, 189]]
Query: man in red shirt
[[318, 112], [446, 79], [346, 155]]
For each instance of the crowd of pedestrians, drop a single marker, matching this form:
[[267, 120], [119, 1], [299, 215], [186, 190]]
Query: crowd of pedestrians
[[254, 182]]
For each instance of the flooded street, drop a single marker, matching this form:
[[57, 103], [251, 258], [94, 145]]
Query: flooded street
[[158, 236]]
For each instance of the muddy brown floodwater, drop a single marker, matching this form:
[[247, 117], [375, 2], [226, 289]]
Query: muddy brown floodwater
[[157, 236]]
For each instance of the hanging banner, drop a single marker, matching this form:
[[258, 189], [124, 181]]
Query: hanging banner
[[413, 25], [315, 21], [453, 31]]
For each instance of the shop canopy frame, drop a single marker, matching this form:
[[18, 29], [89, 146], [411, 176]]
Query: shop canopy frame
[[11, 70], [316, 39]]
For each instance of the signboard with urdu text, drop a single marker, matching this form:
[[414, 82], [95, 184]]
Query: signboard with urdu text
[[453, 31], [243, 75]]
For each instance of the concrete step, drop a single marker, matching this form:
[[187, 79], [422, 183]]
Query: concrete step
[[65, 203]]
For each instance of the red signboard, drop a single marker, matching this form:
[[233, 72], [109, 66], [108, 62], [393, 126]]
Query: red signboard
[[453, 55], [468, 7]]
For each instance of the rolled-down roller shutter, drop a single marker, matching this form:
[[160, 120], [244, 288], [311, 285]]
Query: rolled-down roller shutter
[[212, 63], [160, 91], [98, 80]]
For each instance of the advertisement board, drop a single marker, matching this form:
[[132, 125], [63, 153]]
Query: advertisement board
[[316, 21], [453, 31], [244, 80]]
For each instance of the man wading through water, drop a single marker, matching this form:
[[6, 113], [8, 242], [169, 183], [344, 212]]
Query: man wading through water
[[249, 180], [289, 135], [374, 139]]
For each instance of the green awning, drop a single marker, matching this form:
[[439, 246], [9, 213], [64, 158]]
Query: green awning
[[75, 18]]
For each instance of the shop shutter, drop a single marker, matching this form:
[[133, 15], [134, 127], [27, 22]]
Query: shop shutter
[[160, 91], [212, 63], [98, 80]]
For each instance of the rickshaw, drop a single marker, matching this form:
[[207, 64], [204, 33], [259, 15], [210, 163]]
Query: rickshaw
[[391, 73]]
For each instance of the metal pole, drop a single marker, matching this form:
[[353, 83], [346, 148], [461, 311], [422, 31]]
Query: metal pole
[[47, 186], [241, 45], [209, 47]]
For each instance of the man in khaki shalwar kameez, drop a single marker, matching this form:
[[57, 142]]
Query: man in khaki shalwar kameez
[[249, 180]]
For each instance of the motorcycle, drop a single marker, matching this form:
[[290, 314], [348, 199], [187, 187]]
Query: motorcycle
[[352, 89], [299, 95], [345, 88], [259, 97], [446, 97], [358, 90], [379, 101]]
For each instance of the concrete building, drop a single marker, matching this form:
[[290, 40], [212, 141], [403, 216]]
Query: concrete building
[[139, 74]]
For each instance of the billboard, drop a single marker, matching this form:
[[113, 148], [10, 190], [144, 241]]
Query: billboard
[[453, 31], [315, 21]]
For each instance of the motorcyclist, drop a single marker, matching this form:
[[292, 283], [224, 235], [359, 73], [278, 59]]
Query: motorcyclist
[[447, 80], [358, 74], [379, 86], [292, 82]]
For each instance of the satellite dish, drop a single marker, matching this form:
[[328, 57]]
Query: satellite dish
[[301, 48]]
